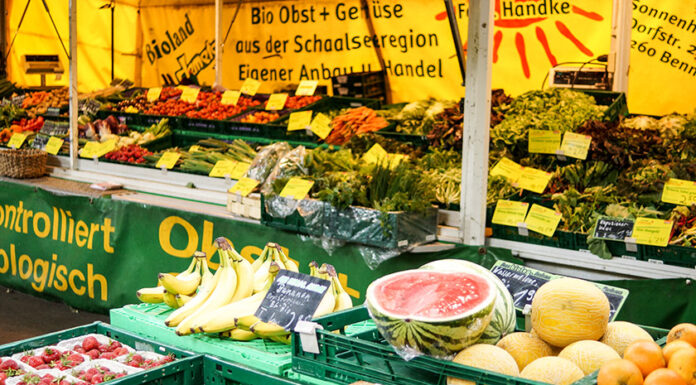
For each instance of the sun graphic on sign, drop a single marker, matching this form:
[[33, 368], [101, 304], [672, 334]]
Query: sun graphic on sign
[[520, 15]]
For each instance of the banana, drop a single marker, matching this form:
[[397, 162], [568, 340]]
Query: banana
[[206, 275], [203, 294], [267, 330], [186, 282], [239, 335], [182, 299], [275, 256], [261, 275], [259, 261], [286, 339], [151, 294], [289, 264], [170, 300], [221, 295], [246, 322], [245, 275], [342, 298], [327, 303], [226, 317]]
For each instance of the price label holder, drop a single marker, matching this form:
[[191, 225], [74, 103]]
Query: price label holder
[[631, 245], [153, 94], [679, 192], [16, 140], [230, 98], [54, 145], [652, 232], [509, 213], [616, 229], [223, 169], [250, 86], [276, 102], [523, 282], [307, 88], [575, 145], [508, 169], [190, 94], [522, 229], [293, 297], [168, 160], [534, 180], [375, 154], [299, 120], [542, 220], [296, 188], [308, 335], [321, 125], [244, 186], [544, 141]]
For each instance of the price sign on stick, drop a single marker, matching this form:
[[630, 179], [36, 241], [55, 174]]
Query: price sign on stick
[[507, 168], [534, 180], [653, 232], [190, 94], [293, 297], [544, 141], [542, 220], [153, 94], [509, 213], [244, 186], [307, 88], [679, 192], [223, 168], [230, 98], [296, 188], [575, 145], [250, 87], [299, 120], [375, 154], [239, 170], [321, 125], [90, 150], [168, 160], [16, 140], [54, 145], [613, 228], [276, 102]]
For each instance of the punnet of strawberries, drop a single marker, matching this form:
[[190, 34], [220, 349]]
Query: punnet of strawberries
[[91, 347], [131, 153], [52, 358], [98, 375], [47, 379], [136, 360], [9, 368]]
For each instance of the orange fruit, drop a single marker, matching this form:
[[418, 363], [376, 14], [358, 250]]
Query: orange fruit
[[673, 347], [619, 372], [685, 332], [664, 376], [684, 363], [647, 356]]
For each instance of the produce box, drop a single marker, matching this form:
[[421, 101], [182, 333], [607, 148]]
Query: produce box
[[560, 239], [671, 255], [247, 207], [616, 102], [269, 357], [367, 357], [355, 224], [361, 85], [217, 371], [140, 120], [185, 369]]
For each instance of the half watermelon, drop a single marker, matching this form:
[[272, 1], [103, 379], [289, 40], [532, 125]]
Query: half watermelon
[[431, 312]]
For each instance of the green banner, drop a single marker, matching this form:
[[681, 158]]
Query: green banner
[[94, 254]]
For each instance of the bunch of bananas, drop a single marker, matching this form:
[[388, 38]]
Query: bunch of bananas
[[225, 302]]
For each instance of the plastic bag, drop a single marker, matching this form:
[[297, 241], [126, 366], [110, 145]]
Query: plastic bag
[[266, 159], [374, 256], [290, 164]]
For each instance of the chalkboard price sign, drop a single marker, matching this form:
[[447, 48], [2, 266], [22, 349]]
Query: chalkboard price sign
[[613, 228], [523, 282], [293, 297]]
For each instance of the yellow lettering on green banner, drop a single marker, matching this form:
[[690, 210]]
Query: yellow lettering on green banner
[[653, 232], [679, 192], [230, 98], [16, 140], [190, 94], [534, 180], [54, 145], [250, 87], [321, 125], [276, 102], [299, 120], [306, 88], [244, 186], [297, 188], [544, 141], [223, 168], [542, 220], [153, 94], [168, 160], [509, 213], [375, 154], [508, 169], [575, 145]]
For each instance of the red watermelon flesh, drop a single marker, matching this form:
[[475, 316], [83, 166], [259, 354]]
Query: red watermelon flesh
[[434, 295]]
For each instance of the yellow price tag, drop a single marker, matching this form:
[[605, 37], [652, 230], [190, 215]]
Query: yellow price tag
[[90, 150], [194, 148], [182, 88], [544, 141], [679, 192], [653, 232], [276, 102], [240, 170], [230, 98], [509, 213], [244, 186], [54, 145], [223, 168], [16, 140], [508, 169], [250, 86], [307, 88], [106, 147], [321, 125], [153, 94], [168, 160], [575, 145], [395, 159], [534, 180], [542, 220], [299, 120], [190, 94], [297, 188], [375, 154]]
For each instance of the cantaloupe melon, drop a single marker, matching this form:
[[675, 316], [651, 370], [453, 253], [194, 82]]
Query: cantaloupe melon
[[487, 357], [524, 347], [588, 355], [568, 310], [620, 334], [552, 370]]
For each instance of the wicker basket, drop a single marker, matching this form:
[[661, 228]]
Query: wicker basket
[[22, 164]]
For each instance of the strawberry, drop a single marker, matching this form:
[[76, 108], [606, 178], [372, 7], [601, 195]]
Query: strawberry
[[90, 343], [50, 355], [121, 351], [113, 345], [3, 376], [44, 366], [9, 365], [97, 379], [107, 356], [35, 361], [93, 354], [137, 358]]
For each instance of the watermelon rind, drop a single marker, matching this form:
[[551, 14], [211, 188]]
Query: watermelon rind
[[504, 317], [442, 338]]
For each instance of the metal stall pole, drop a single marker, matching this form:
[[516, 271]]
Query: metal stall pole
[[218, 43], [621, 44], [477, 111], [73, 84]]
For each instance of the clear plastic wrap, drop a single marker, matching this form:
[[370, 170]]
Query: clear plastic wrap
[[266, 159], [292, 163], [374, 256]]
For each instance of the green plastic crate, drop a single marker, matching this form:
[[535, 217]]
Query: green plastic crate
[[185, 370], [617, 105], [219, 372], [671, 255]]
